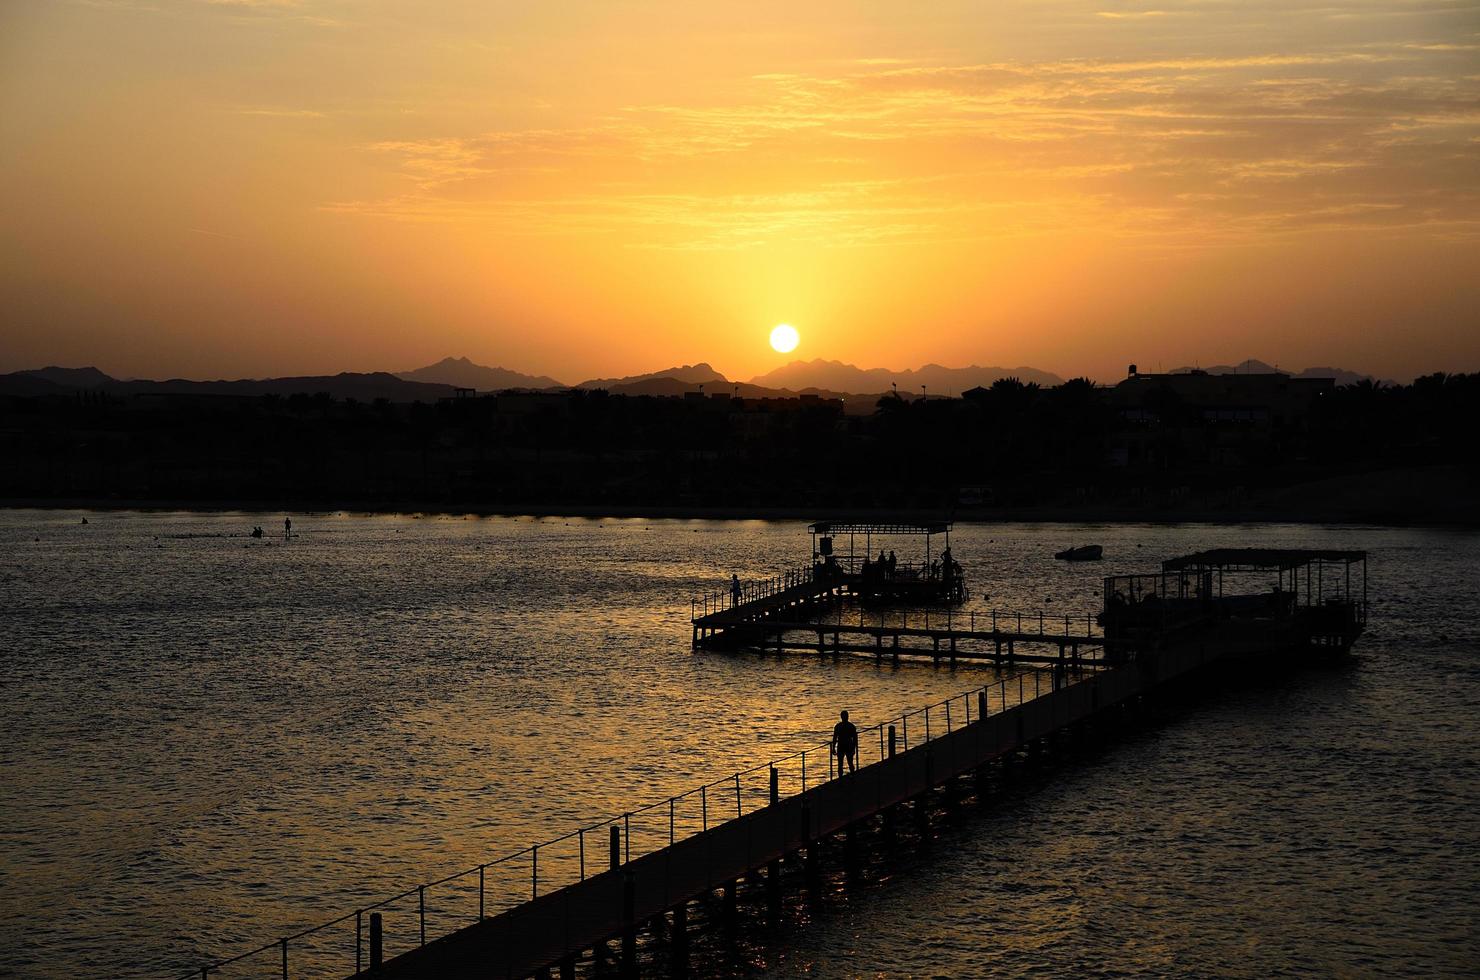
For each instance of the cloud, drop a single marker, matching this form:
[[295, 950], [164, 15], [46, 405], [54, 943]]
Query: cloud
[[280, 112], [1178, 150]]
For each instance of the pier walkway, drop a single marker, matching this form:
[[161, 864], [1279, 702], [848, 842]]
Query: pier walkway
[[551, 930]]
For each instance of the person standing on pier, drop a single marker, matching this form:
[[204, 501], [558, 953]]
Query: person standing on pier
[[734, 591], [845, 744]]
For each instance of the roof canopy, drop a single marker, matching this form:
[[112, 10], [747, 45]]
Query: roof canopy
[[880, 527], [1259, 558]]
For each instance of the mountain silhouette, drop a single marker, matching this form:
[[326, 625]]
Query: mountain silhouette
[[365, 387], [463, 373], [838, 376], [84, 377], [691, 375]]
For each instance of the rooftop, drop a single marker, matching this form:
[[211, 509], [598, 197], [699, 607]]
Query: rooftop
[[1260, 558], [880, 527]]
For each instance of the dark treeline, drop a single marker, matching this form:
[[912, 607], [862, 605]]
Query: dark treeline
[[1152, 444]]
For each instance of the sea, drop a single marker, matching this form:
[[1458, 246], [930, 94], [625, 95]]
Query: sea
[[210, 741]]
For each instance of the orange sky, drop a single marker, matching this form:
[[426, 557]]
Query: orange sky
[[267, 187]]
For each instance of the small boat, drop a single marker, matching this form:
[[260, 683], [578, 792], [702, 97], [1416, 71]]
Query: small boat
[[1088, 552]]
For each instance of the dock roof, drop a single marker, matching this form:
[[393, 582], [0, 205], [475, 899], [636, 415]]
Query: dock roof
[[1260, 558], [879, 527]]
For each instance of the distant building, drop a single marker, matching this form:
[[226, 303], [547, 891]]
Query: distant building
[[1217, 419]]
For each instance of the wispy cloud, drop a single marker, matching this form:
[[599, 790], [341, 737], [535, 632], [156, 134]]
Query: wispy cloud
[[1174, 149], [280, 112]]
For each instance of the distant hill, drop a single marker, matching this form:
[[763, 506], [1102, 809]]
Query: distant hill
[[463, 373], [85, 377], [1252, 366], [347, 384], [939, 380], [690, 374], [365, 387]]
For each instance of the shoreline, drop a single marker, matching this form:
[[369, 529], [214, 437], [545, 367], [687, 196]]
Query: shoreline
[[1466, 518]]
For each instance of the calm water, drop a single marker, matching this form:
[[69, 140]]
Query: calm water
[[210, 741]]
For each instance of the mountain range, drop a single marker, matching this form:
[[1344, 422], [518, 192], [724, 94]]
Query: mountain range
[[365, 387], [857, 387]]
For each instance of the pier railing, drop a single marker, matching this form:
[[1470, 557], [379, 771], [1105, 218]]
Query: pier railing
[[948, 618], [441, 906], [1040, 622], [752, 590]]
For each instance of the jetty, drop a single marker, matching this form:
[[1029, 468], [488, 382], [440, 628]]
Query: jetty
[[589, 893]]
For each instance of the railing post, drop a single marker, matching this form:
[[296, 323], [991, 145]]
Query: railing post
[[376, 941], [581, 834], [704, 805], [421, 910], [738, 811], [616, 847], [893, 741], [359, 931], [775, 786], [981, 704], [626, 837], [534, 872], [927, 723], [481, 889], [670, 819]]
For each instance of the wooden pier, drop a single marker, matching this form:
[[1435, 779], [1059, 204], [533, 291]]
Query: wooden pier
[[1175, 627], [1154, 629]]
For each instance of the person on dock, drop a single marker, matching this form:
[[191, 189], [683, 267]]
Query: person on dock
[[892, 563], [734, 591], [287, 527], [845, 744]]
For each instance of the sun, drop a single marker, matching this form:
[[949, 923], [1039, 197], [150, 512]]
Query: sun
[[784, 338]]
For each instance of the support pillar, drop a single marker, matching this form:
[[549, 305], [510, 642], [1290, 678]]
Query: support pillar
[[628, 969], [679, 949]]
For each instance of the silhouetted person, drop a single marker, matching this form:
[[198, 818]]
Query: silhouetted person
[[287, 527], [257, 531], [845, 744], [734, 590], [892, 562]]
